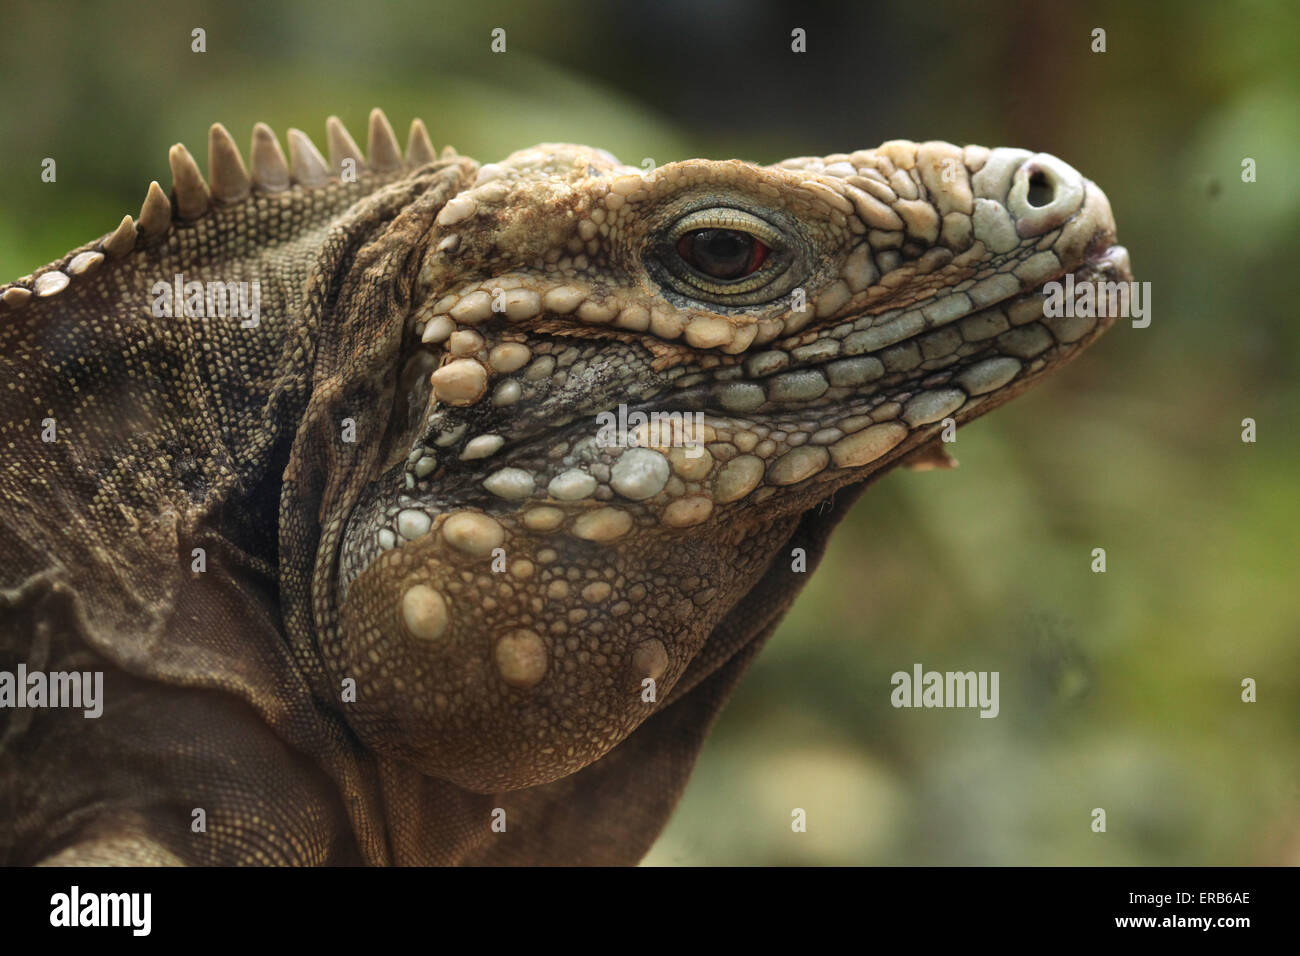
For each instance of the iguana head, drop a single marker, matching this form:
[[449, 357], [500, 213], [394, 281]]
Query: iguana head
[[618, 390]]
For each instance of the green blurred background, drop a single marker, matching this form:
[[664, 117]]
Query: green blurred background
[[1119, 690]]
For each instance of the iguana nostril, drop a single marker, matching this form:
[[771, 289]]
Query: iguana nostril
[[1042, 190], [1044, 194]]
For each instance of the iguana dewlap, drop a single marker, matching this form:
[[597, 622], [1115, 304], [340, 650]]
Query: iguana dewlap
[[315, 465]]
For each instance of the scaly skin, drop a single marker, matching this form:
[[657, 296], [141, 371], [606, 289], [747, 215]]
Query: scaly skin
[[429, 592]]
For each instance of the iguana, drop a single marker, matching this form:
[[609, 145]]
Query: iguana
[[314, 463]]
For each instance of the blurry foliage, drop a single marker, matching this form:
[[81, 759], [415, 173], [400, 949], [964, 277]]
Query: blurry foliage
[[1119, 690]]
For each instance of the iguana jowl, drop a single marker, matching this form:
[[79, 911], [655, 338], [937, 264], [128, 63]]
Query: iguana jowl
[[359, 573]]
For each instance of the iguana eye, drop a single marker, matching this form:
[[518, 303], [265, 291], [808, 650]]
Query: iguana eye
[[723, 253]]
